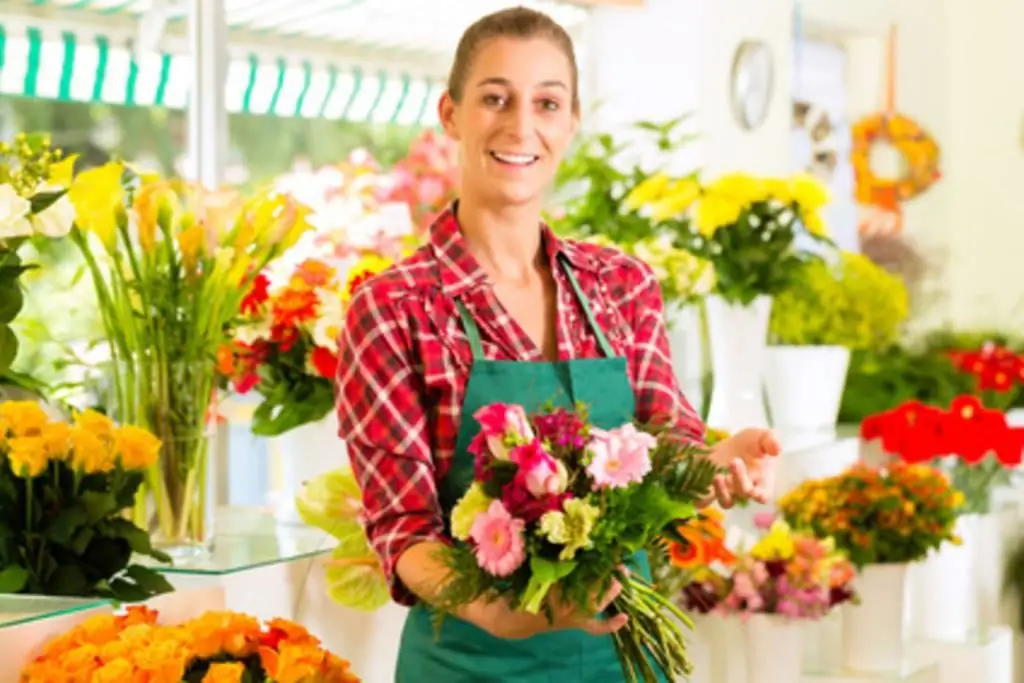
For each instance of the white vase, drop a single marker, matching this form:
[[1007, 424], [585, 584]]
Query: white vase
[[873, 630], [804, 385], [942, 599], [737, 337], [775, 649], [985, 540], [305, 453], [686, 343]]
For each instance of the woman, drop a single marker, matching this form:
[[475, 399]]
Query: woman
[[429, 342]]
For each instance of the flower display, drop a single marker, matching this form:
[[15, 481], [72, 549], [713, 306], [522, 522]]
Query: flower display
[[285, 345], [173, 264], [998, 372], [216, 647], [789, 573], [853, 303], [558, 504], [64, 489], [425, 180], [894, 514], [683, 277], [745, 225], [964, 436], [34, 179]]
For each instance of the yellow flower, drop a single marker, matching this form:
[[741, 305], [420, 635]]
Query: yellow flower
[[98, 197], [814, 223], [191, 242], [808, 192], [741, 188], [89, 453], [27, 455], [62, 173], [151, 199], [225, 672], [677, 200], [117, 671], [572, 528], [716, 211], [23, 418], [649, 191], [777, 544], [778, 189], [466, 510], [97, 423], [137, 448], [364, 269], [56, 441]]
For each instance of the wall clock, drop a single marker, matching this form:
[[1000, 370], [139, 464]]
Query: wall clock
[[752, 77]]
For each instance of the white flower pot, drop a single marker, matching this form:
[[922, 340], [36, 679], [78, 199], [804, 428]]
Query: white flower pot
[[737, 337], [942, 598], [305, 453], [873, 630], [775, 649], [804, 385], [686, 343], [985, 541]]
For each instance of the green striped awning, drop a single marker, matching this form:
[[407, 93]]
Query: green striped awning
[[75, 67]]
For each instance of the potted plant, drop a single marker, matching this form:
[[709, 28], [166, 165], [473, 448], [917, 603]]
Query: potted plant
[[828, 310], [883, 519]]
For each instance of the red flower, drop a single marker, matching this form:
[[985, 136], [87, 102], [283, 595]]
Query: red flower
[[972, 430], [325, 362], [1010, 448], [257, 295]]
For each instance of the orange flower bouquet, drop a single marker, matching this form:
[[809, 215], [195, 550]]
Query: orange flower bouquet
[[217, 647], [63, 491], [696, 556], [286, 344]]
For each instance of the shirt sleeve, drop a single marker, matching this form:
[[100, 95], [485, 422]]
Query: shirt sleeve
[[380, 399], [658, 396]]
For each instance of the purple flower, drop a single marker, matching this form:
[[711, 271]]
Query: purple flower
[[561, 428]]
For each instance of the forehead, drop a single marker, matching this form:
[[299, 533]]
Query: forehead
[[521, 62]]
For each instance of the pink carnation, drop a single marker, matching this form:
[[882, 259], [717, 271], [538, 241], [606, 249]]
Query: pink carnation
[[539, 473], [499, 540], [619, 457], [501, 422]]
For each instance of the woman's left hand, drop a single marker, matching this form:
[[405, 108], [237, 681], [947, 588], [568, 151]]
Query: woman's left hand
[[745, 453]]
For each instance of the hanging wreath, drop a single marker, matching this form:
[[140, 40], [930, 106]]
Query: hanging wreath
[[918, 149]]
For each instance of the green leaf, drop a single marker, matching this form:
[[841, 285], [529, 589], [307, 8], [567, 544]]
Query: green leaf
[[12, 300], [153, 582], [81, 540], [8, 347], [68, 579], [544, 574], [98, 505], [42, 201], [126, 591], [66, 524], [13, 579]]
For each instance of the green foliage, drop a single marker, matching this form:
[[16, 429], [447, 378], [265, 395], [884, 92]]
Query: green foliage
[[292, 397], [64, 533], [853, 303]]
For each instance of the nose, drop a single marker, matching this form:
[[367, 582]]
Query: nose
[[520, 120]]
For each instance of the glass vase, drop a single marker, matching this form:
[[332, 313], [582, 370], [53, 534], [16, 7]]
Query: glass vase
[[175, 401]]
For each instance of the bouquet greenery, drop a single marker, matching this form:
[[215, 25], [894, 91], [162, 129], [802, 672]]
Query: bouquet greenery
[[64, 490], [746, 226], [557, 504], [33, 184], [853, 303]]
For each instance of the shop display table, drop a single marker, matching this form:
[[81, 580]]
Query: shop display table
[[981, 659], [915, 670], [28, 621]]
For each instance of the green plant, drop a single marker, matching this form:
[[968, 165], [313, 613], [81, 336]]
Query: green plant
[[852, 302]]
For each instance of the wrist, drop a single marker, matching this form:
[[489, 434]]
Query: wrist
[[720, 453]]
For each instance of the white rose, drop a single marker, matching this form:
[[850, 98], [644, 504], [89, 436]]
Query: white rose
[[14, 212], [56, 219]]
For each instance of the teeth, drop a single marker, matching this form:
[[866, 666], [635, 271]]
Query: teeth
[[518, 159]]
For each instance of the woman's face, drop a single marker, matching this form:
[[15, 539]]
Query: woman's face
[[515, 120]]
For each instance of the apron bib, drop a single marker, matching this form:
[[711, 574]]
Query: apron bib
[[465, 653]]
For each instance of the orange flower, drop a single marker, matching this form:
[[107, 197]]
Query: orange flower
[[225, 672], [293, 307], [217, 633], [312, 274], [292, 663]]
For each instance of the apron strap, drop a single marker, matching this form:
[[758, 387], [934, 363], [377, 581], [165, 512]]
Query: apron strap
[[602, 340], [473, 332]]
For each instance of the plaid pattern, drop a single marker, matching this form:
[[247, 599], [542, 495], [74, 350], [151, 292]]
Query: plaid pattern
[[405, 361]]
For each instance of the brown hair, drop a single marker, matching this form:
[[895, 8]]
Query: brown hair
[[514, 22]]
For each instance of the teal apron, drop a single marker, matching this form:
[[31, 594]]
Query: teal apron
[[465, 653]]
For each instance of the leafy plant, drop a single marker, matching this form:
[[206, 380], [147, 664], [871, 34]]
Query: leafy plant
[[852, 303], [64, 490]]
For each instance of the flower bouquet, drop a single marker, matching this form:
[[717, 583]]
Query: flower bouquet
[[890, 515], [33, 186], [559, 505], [64, 490], [285, 345], [173, 263], [217, 647], [964, 436]]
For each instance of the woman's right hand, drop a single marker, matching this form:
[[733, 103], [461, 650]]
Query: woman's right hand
[[501, 621]]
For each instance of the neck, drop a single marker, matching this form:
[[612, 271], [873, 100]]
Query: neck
[[506, 241]]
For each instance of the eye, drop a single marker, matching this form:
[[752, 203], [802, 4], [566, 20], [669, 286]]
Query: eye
[[548, 104], [493, 100]]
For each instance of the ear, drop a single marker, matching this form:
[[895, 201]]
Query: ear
[[446, 115]]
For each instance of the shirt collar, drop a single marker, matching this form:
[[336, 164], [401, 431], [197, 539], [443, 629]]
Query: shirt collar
[[461, 273]]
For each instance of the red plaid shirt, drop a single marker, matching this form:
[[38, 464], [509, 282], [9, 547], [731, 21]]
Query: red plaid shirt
[[405, 360]]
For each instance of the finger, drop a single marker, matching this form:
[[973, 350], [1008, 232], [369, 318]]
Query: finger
[[759, 494], [770, 443], [722, 492], [609, 597], [606, 626], [742, 484]]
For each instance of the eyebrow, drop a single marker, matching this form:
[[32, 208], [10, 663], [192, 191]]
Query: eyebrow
[[495, 80]]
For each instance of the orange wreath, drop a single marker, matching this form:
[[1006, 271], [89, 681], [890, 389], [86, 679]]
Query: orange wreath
[[919, 150]]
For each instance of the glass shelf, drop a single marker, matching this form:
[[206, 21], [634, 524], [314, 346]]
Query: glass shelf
[[249, 538], [914, 670], [16, 610]]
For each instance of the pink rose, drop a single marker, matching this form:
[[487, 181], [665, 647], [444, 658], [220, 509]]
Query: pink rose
[[539, 473], [500, 548], [503, 424], [619, 457]]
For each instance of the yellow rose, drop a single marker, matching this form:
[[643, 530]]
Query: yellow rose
[[23, 418], [27, 455], [89, 453], [97, 423], [56, 438], [137, 448], [225, 672]]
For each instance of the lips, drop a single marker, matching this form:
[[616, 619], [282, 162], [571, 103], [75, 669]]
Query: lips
[[511, 159]]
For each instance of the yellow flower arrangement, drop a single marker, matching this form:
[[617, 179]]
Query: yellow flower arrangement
[[64, 488], [745, 225], [853, 303], [217, 647], [890, 515]]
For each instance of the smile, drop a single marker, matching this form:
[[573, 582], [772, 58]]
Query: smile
[[515, 159]]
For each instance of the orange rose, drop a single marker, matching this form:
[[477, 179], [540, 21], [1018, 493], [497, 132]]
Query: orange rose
[[225, 672]]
